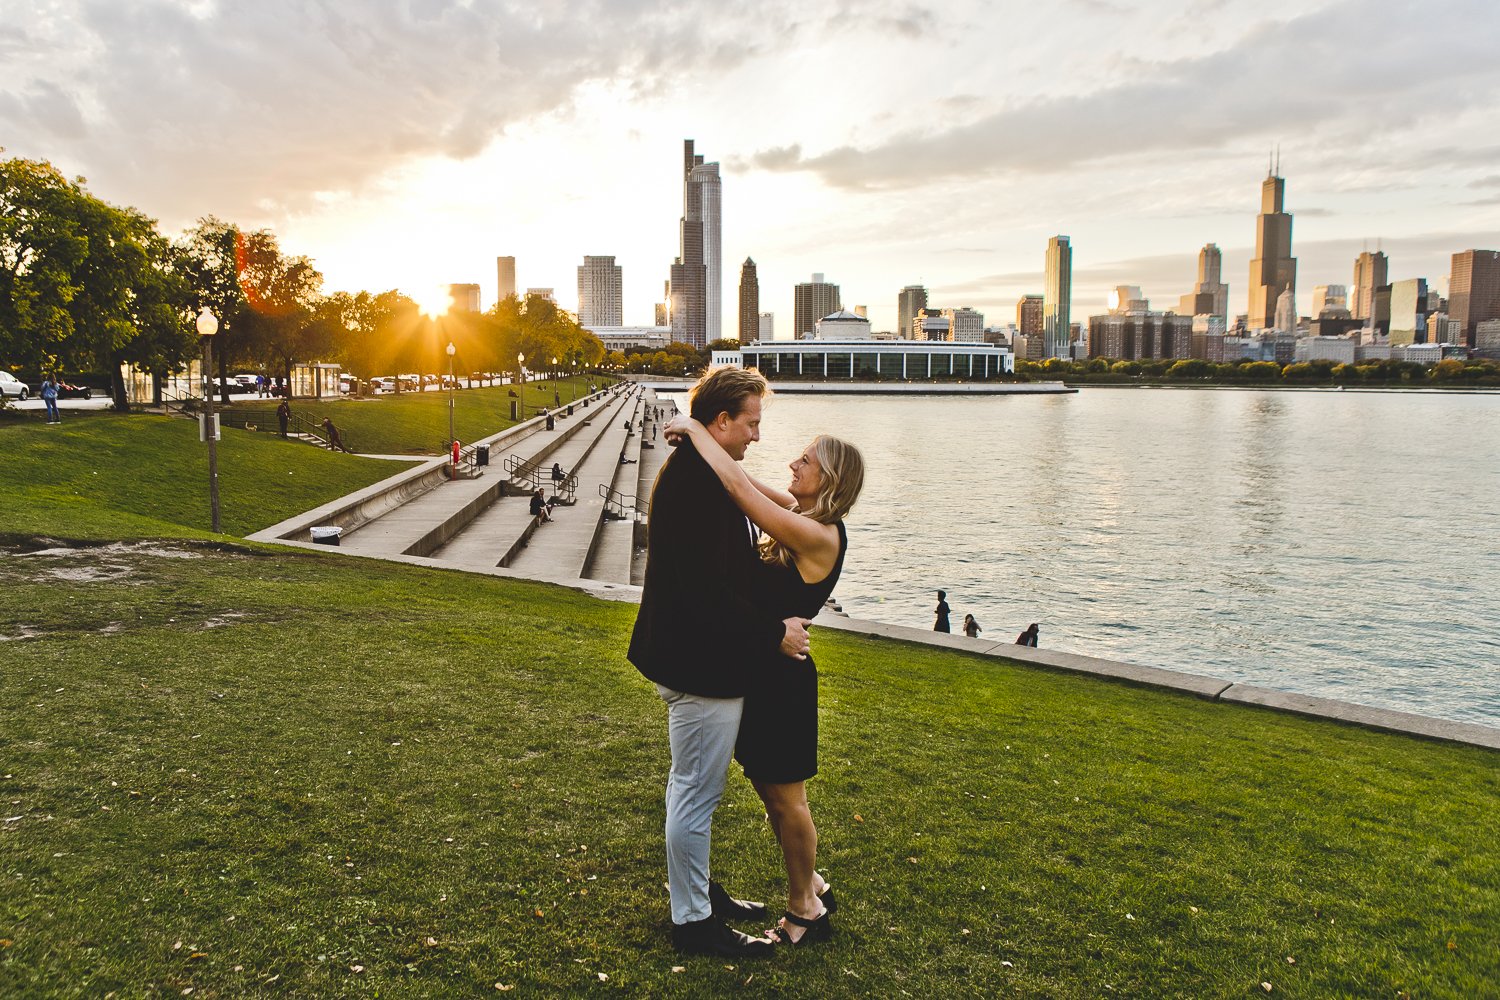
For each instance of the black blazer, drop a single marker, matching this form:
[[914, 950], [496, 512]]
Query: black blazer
[[697, 630]]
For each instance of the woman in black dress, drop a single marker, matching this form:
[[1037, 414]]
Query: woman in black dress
[[802, 554]]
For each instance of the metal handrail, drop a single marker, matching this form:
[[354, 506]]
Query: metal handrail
[[522, 469], [620, 506]]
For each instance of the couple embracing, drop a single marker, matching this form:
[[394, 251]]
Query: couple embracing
[[735, 573]]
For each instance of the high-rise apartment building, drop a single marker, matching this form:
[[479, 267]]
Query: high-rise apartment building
[[1274, 269], [505, 278], [1474, 291], [463, 298], [1029, 315], [1057, 299], [766, 329], [910, 303], [599, 293], [811, 301], [749, 327], [1370, 273], [697, 283]]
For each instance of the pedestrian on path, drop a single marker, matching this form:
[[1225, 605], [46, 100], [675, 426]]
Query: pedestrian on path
[[941, 625], [49, 396], [283, 415]]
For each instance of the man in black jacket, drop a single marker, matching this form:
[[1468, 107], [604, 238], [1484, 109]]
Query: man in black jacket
[[700, 638]]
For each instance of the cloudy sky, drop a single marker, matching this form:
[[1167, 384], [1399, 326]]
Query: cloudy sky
[[883, 143]]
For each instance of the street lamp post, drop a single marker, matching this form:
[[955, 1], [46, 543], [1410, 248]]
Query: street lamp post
[[451, 383], [208, 325]]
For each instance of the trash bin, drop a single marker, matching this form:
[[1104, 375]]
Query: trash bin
[[326, 535], [482, 454]]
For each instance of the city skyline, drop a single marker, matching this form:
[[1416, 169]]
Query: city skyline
[[287, 119]]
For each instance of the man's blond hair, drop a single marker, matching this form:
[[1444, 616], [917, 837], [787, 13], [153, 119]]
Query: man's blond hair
[[724, 390]]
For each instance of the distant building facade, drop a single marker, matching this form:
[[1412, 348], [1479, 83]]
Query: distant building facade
[[765, 327], [964, 325], [1057, 298], [1140, 336], [842, 325], [877, 359], [1370, 274], [696, 284], [465, 297], [909, 304], [1029, 315], [1474, 291], [811, 301], [505, 278], [599, 292], [618, 338], [1409, 312], [749, 325]]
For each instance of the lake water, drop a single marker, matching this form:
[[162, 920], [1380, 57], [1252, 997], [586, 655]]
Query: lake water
[[1342, 544]]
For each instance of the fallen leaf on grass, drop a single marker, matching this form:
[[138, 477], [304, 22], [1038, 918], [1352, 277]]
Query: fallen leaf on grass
[[679, 968], [6, 942], [1452, 944], [430, 942], [197, 954], [912, 860], [1290, 960], [603, 977], [858, 818], [1008, 965], [539, 914], [1266, 987], [503, 988], [356, 969]]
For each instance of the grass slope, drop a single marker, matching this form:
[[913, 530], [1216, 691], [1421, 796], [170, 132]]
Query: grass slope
[[416, 423], [106, 475], [253, 773]]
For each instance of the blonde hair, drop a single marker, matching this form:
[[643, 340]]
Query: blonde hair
[[841, 475]]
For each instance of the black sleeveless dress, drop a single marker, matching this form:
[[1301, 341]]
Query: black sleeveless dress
[[778, 741]]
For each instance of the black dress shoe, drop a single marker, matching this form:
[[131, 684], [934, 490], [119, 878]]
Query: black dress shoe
[[712, 936], [729, 908]]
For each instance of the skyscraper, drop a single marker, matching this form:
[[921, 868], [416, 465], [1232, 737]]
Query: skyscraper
[[1369, 274], [811, 301], [1330, 299], [599, 295], [749, 328], [1274, 269], [1210, 295], [1057, 298], [1474, 290], [910, 303], [505, 272], [767, 326], [697, 284]]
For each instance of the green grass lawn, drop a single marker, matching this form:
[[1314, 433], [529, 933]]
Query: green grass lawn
[[416, 423], [243, 770], [104, 475]]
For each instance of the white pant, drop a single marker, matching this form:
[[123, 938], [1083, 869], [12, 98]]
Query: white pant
[[702, 732]]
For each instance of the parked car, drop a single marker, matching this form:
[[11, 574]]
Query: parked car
[[245, 382], [12, 386], [66, 390]]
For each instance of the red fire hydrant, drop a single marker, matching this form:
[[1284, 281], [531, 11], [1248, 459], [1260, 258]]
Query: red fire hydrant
[[453, 463]]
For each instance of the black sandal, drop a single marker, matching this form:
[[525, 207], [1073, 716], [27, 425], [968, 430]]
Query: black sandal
[[817, 929], [826, 898]]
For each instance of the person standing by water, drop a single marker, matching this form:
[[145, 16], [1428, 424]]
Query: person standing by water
[[941, 625], [49, 396], [971, 627], [1028, 637], [701, 638]]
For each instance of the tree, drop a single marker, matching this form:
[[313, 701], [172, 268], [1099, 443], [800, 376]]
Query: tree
[[41, 248], [1189, 368], [284, 321], [211, 261]]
